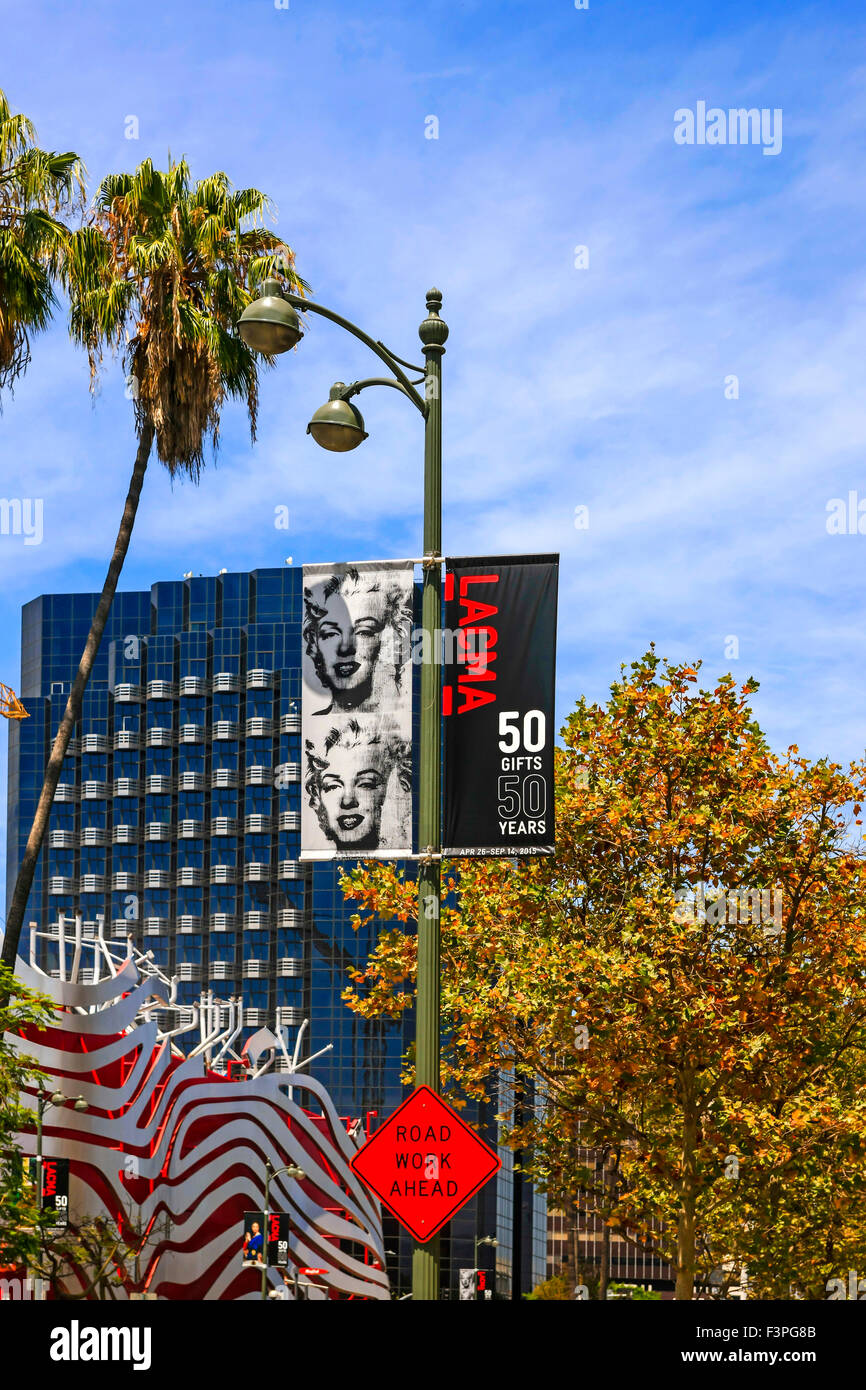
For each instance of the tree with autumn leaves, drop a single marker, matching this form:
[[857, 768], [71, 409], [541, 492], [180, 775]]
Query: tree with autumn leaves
[[683, 982]]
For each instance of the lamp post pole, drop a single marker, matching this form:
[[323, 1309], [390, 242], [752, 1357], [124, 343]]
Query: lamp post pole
[[265, 1230], [270, 325], [433, 332], [42, 1104]]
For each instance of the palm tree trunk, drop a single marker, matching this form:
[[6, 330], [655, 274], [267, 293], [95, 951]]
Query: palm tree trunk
[[27, 868]]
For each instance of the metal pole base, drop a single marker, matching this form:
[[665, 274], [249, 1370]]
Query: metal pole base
[[425, 1271]]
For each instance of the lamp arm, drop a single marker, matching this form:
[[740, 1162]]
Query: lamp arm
[[278, 1172], [394, 358], [379, 348], [357, 386]]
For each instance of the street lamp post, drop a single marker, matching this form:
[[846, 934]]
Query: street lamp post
[[271, 324], [291, 1170]]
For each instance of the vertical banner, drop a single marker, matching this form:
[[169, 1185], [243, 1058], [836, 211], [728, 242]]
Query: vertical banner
[[53, 1188], [356, 711], [278, 1239], [253, 1248], [498, 701]]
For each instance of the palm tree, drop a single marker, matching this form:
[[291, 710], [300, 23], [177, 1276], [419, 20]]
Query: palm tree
[[164, 271], [36, 188]]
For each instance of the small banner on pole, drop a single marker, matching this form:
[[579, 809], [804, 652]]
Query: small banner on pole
[[52, 1174], [278, 1239], [253, 1248], [356, 711], [498, 702]]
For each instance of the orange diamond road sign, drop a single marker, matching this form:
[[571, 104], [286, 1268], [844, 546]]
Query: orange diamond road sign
[[425, 1163]]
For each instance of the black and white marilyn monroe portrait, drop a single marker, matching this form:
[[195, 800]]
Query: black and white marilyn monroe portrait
[[352, 775], [357, 635]]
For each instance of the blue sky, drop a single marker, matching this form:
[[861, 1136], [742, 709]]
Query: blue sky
[[602, 386]]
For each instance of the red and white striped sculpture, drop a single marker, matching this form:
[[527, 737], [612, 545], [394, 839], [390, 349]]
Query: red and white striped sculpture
[[181, 1150]]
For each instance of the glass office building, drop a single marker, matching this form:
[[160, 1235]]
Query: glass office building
[[177, 817]]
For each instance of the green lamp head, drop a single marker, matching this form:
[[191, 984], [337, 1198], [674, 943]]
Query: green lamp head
[[269, 324], [338, 425]]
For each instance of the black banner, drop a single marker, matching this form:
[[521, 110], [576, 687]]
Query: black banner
[[278, 1239], [53, 1182], [498, 699]]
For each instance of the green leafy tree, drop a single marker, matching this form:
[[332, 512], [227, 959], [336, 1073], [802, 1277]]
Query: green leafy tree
[[38, 189], [20, 1234], [99, 1257], [555, 1289], [162, 270], [633, 1293], [711, 1037]]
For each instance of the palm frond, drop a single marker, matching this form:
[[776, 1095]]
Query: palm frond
[[169, 266], [16, 132], [112, 187], [261, 267], [146, 253], [212, 193], [88, 259], [212, 233], [249, 202], [36, 186]]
